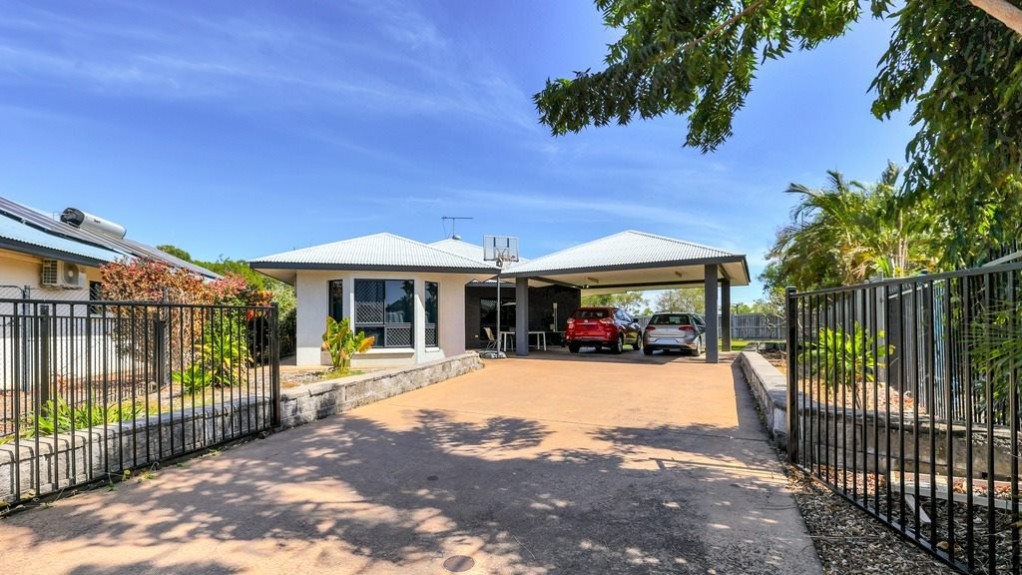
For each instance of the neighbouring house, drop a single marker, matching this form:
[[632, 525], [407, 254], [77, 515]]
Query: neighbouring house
[[59, 259], [424, 302]]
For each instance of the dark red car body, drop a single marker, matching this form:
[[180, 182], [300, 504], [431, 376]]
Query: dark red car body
[[601, 327]]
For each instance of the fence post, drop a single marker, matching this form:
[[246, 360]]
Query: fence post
[[275, 364], [45, 353], [791, 309]]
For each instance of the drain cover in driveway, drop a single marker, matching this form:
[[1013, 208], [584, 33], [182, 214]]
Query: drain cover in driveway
[[459, 563]]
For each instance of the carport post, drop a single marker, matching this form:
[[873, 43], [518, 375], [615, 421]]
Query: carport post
[[725, 313], [710, 339], [522, 316]]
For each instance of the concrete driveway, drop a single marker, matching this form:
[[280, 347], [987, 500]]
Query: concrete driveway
[[551, 464]]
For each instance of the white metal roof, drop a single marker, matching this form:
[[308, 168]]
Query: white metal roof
[[377, 251], [631, 253]]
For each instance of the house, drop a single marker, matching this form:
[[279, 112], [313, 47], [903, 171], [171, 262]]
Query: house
[[59, 259], [424, 302]]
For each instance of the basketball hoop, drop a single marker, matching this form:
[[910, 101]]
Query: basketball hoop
[[501, 250]]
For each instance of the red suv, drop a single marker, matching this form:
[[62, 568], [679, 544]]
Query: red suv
[[601, 327]]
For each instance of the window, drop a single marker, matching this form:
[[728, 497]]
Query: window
[[336, 299], [591, 313], [670, 319], [432, 314], [95, 294], [385, 309]]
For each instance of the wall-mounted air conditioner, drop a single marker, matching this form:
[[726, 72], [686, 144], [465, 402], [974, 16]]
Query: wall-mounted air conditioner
[[64, 275]]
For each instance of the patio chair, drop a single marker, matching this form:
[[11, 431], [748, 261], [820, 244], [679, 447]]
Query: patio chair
[[491, 341]]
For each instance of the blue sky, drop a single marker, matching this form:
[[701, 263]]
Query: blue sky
[[244, 129]]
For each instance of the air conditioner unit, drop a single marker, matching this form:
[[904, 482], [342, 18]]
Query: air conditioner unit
[[64, 275], [50, 275], [72, 276]]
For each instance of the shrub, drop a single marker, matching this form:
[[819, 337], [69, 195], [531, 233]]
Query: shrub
[[222, 357], [843, 357], [342, 343]]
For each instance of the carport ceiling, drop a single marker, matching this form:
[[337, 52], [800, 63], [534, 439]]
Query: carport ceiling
[[634, 261]]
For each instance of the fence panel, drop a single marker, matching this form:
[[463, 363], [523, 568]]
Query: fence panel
[[92, 390], [758, 326], [904, 399]]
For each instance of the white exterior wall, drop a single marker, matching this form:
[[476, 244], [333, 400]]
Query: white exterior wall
[[311, 287], [24, 270]]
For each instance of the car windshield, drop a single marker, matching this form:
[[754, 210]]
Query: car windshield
[[670, 319], [591, 314]]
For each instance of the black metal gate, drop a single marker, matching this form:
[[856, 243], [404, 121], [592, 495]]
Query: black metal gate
[[90, 390], [903, 396]]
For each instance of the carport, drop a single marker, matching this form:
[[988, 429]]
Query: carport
[[634, 260]]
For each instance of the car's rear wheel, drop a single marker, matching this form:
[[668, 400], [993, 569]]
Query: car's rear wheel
[[573, 347], [699, 348], [619, 344], [647, 350], [637, 346]]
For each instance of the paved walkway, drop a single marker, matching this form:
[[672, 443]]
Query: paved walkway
[[588, 465]]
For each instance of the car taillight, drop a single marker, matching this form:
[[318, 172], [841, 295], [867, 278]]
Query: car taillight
[[606, 320], [650, 328], [687, 328], [571, 320]]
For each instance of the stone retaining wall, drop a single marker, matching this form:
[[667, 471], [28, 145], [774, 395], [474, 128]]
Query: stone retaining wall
[[313, 401], [44, 465], [770, 389]]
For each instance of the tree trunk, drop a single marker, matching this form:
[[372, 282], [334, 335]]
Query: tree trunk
[[1007, 13]]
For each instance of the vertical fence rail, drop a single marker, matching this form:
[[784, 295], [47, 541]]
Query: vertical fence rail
[[90, 391], [903, 396]]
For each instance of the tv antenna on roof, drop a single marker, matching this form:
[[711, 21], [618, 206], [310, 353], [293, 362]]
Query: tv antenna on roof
[[454, 225]]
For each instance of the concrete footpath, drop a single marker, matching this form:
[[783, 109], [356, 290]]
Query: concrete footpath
[[552, 464]]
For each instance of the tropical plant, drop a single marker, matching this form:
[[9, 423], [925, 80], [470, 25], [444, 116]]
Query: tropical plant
[[849, 232], [342, 343], [953, 62], [842, 358], [222, 357], [633, 302]]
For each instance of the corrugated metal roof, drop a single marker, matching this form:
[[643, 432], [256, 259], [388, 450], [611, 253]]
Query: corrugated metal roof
[[28, 217], [382, 251], [625, 249], [462, 248], [15, 230], [465, 249]]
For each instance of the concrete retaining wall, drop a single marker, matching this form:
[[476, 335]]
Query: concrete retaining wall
[[770, 389], [314, 401], [48, 464]]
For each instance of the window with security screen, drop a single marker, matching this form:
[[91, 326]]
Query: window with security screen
[[385, 309], [432, 314]]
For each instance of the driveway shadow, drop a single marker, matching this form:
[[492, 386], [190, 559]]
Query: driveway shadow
[[351, 494]]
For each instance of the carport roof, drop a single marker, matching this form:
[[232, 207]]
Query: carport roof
[[634, 259]]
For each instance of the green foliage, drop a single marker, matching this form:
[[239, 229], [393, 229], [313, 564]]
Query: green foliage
[[849, 232], [760, 306], [222, 357], [58, 417], [633, 302], [342, 343], [957, 67], [682, 299], [843, 358], [175, 251]]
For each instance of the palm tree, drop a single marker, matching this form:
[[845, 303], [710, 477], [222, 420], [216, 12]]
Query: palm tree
[[849, 232]]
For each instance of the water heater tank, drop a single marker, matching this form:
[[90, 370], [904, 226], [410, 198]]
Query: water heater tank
[[91, 223]]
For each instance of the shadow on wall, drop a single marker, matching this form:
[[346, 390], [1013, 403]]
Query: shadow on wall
[[393, 497]]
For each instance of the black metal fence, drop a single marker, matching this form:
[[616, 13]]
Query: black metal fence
[[904, 397], [91, 390]]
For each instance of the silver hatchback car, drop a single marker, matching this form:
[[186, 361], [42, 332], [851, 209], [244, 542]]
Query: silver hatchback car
[[682, 331]]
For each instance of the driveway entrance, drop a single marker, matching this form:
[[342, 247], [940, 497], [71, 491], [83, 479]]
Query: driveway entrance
[[531, 465]]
